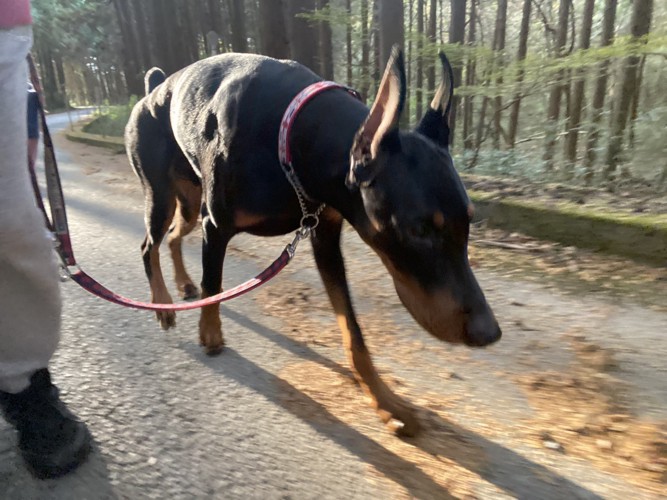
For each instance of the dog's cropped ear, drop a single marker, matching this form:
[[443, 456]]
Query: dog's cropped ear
[[435, 123], [381, 126]]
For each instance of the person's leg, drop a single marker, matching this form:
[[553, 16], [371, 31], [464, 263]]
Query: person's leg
[[29, 288], [51, 440]]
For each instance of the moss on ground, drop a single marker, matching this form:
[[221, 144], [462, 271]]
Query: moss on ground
[[639, 236]]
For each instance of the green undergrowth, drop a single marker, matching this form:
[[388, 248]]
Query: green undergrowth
[[110, 121]]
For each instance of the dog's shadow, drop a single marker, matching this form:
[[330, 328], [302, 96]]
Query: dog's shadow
[[500, 466]]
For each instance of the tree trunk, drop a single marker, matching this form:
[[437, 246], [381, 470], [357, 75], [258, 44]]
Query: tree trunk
[[377, 63], [239, 36], [577, 100], [274, 41], [431, 33], [639, 26], [419, 71], [521, 56], [189, 33], [214, 16], [553, 112], [348, 43], [390, 26], [457, 27], [635, 103], [326, 45], [303, 34], [408, 61], [130, 62], [143, 38], [164, 49], [365, 52], [600, 92], [501, 26], [468, 142]]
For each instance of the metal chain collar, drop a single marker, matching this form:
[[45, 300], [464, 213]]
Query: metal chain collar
[[309, 220]]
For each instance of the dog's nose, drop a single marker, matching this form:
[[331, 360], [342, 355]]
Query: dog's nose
[[482, 330]]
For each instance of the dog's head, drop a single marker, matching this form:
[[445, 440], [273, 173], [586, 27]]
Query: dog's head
[[418, 211]]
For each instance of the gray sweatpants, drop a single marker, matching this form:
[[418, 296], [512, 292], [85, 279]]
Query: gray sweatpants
[[29, 285]]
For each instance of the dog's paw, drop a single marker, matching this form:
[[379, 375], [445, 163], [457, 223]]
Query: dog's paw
[[190, 292], [167, 319], [211, 339], [214, 350], [398, 416]]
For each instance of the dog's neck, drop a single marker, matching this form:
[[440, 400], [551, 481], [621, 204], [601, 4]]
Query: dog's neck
[[321, 141]]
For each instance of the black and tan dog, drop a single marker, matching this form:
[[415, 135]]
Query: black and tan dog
[[212, 129]]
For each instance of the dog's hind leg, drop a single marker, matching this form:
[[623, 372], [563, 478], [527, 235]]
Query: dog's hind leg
[[150, 155], [188, 196], [159, 212], [393, 411], [216, 238]]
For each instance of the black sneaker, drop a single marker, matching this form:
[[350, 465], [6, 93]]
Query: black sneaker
[[52, 440]]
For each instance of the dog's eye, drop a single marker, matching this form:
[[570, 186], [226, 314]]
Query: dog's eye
[[422, 230]]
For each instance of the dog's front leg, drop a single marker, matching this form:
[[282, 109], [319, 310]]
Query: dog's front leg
[[394, 411], [213, 255]]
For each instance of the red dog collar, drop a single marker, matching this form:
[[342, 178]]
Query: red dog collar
[[293, 109]]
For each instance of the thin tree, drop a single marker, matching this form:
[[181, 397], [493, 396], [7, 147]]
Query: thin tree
[[640, 24], [600, 91], [419, 70], [553, 111], [431, 33], [348, 42], [635, 103], [457, 28], [520, 56], [375, 47], [365, 51], [577, 101], [326, 44], [470, 78], [501, 27]]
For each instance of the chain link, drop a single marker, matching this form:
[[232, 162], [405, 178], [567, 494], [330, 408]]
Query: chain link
[[309, 220]]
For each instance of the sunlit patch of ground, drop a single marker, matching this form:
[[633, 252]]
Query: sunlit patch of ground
[[584, 412]]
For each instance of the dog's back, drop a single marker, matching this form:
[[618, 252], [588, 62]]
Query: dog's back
[[221, 97]]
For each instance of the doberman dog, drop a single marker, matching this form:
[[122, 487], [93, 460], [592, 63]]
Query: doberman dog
[[207, 137]]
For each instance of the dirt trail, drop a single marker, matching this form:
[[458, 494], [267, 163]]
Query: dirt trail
[[571, 402]]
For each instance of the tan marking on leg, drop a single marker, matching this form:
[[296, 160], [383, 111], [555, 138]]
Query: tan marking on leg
[[159, 292], [189, 201], [210, 329], [392, 409]]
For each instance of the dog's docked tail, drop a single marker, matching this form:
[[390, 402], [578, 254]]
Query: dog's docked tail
[[153, 78]]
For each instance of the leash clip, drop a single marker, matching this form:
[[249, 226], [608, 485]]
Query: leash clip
[[303, 233], [65, 269]]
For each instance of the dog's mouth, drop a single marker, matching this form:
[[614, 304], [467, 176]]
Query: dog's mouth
[[436, 312]]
